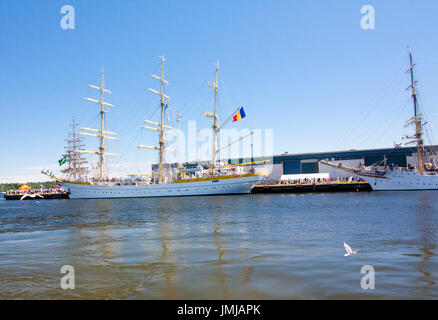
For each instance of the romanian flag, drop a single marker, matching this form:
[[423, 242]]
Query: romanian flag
[[62, 160], [239, 115]]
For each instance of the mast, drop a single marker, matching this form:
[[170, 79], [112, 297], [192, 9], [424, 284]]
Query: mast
[[417, 117], [178, 120], [102, 126], [215, 127], [160, 165], [75, 162], [161, 126], [100, 133]]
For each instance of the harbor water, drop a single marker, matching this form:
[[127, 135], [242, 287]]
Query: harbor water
[[262, 246]]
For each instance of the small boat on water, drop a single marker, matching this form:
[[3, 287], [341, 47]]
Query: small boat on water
[[35, 194], [387, 177]]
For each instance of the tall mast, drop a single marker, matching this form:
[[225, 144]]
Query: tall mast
[[75, 144], [102, 127], [215, 127], [160, 165], [75, 162], [178, 120], [101, 134], [161, 126], [417, 117]]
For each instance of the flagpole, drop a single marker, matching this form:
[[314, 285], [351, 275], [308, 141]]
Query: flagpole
[[228, 119]]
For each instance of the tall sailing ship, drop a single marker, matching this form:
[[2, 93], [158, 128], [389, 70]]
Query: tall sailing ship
[[423, 176], [76, 169], [166, 182]]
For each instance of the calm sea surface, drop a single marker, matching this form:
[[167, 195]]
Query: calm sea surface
[[224, 247]]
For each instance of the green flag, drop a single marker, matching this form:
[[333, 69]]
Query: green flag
[[62, 161]]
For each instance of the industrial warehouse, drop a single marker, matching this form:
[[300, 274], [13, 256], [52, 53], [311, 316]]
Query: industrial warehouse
[[308, 165]]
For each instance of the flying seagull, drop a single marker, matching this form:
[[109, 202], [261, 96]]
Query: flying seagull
[[31, 195], [349, 251]]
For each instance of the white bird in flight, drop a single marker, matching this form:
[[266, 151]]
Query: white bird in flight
[[31, 195], [349, 251]]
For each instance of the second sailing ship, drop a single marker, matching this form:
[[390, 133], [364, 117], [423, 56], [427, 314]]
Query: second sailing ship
[[423, 176]]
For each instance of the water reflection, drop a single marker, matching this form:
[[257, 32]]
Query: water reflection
[[168, 266], [425, 217], [219, 241]]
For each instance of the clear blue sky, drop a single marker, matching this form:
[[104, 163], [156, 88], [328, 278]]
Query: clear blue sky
[[304, 68]]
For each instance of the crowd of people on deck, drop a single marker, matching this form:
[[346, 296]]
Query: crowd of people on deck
[[394, 167], [398, 168], [153, 179], [36, 191]]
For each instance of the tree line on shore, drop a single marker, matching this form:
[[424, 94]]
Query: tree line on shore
[[34, 185]]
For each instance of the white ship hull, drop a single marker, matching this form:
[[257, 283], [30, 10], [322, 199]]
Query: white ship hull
[[402, 180], [220, 186]]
